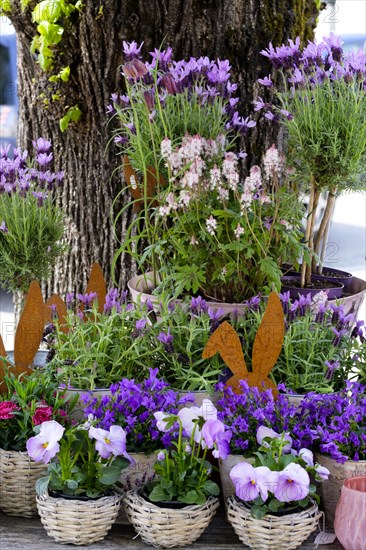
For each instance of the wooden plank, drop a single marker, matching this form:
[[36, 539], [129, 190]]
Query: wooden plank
[[29, 534]]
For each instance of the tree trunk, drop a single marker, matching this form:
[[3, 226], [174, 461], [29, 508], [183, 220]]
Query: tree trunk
[[91, 45]]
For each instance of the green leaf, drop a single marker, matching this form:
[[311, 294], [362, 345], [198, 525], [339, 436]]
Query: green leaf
[[274, 505], [304, 502], [190, 498], [5, 5], [42, 484], [158, 494], [258, 512], [71, 484], [48, 10], [211, 487], [65, 74], [109, 475]]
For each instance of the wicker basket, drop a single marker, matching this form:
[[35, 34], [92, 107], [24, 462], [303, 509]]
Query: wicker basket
[[272, 532], [330, 491], [18, 475], [167, 527], [78, 522]]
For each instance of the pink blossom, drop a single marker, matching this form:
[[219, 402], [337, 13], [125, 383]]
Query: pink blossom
[[211, 225], [7, 409]]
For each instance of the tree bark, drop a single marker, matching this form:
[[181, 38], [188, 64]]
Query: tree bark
[[92, 46]]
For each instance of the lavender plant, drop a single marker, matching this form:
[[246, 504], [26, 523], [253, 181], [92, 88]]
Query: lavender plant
[[179, 335], [132, 405], [94, 349], [31, 228], [317, 352], [323, 109]]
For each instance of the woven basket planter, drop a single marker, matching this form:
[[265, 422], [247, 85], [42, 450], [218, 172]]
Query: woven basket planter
[[272, 532], [330, 491], [167, 527], [18, 476], [78, 522]]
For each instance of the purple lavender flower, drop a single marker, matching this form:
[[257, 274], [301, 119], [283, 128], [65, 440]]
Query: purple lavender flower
[[41, 197], [42, 145], [112, 300], [3, 227], [266, 81], [131, 50], [358, 330], [338, 334], [198, 305], [44, 159], [167, 340], [331, 367], [87, 299], [70, 296], [215, 316]]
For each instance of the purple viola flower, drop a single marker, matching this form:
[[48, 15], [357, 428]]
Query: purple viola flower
[[292, 484], [3, 227], [216, 437], [250, 482]]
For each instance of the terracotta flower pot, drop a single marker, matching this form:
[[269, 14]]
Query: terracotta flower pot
[[350, 516]]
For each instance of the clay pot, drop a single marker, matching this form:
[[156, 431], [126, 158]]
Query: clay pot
[[350, 517]]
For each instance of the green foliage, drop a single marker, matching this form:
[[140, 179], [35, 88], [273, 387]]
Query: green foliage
[[79, 469], [73, 114], [183, 475], [5, 6], [33, 242], [99, 349], [181, 364], [327, 137], [307, 346]]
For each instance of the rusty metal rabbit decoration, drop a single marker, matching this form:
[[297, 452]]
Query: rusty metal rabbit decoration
[[266, 349]]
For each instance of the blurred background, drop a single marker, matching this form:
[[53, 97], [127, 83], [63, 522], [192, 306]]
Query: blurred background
[[347, 240]]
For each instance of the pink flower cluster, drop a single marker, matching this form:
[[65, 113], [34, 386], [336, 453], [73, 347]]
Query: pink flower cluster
[[7, 409]]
